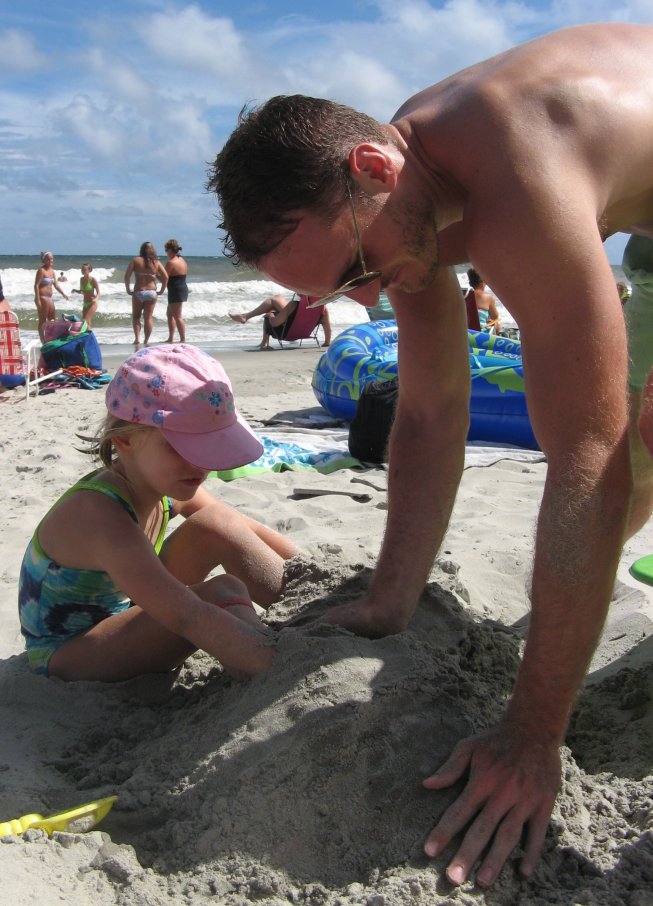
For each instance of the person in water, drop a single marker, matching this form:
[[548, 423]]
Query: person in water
[[89, 288], [356, 206], [147, 270], [177, 271], [46, 279]]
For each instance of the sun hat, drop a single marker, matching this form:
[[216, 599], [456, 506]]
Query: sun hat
[[187, 395]]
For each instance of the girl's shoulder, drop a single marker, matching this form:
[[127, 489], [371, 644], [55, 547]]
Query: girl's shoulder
[[86, 519], [99, 491]]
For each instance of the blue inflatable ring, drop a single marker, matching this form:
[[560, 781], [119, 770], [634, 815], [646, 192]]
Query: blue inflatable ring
[[368, 352]]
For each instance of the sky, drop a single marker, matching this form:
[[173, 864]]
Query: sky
[[111, 112]]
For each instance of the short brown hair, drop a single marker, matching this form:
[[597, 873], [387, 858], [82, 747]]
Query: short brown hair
[[286, 156]]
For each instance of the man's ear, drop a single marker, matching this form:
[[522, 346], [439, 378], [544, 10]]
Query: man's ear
[[373, 168]]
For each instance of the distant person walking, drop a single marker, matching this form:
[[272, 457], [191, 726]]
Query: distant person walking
[[177, 270], [146, 270], [89, 288], [45, 280]]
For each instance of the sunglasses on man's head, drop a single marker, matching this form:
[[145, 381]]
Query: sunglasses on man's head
[[361, 280]]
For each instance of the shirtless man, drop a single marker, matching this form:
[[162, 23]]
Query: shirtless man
[[566, 161]]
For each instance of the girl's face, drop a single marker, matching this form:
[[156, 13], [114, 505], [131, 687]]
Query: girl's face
[[48, 261], [162, 468], [86, 270]]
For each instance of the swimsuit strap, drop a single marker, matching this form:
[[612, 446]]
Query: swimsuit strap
[[90, 483]]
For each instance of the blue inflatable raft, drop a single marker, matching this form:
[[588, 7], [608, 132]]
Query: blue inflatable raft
[[368, 352]]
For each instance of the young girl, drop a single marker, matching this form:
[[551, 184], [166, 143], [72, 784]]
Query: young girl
[[102, 596], [90, 290]]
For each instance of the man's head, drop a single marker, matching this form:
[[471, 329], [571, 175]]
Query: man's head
[[288, 156]]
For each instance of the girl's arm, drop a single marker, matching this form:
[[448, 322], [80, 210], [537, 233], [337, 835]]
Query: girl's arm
[[37, 288], [121, 549], [128, 274], [59, 289], [163, 277], [494, 314], [96, 287]]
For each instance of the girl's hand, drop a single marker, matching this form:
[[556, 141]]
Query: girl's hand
[[252, 652]]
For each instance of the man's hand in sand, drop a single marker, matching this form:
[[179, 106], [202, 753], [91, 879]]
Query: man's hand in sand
[[364, 618], [511, 787]]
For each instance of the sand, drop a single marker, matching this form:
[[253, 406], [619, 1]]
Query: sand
[[304, 785]]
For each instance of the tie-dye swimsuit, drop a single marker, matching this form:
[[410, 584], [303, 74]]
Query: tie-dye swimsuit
[[57, 603]]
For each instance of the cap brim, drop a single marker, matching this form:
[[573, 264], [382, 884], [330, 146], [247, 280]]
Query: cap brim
[[228, 448]]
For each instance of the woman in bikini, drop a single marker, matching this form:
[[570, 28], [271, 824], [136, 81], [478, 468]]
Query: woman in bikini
[[45, 280], [146, 269], [90, 290]]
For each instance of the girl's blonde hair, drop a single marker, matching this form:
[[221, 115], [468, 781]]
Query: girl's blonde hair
[[102, 446]]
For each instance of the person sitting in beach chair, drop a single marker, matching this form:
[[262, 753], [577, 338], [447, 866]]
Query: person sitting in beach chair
[[288, 320], [297, 322]]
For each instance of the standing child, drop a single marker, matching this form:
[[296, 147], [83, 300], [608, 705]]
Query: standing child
[[90, 290], [102, 596]]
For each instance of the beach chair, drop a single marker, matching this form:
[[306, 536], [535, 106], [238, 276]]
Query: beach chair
[[301, 324], [18, 362]]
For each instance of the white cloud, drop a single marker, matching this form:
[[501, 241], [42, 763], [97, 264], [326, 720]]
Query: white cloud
[[94, 127], [188, 38], [18, 52], [135, 104]]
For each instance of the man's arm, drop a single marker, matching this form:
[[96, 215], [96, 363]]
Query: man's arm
[[426, 454], [575, 370]]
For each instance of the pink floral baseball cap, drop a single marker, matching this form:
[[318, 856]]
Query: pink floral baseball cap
[[186, 394]]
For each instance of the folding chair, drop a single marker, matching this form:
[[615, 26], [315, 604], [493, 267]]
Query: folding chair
[[18, 362], [301, 324]]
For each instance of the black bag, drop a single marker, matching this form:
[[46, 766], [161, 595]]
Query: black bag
[[369, 431]]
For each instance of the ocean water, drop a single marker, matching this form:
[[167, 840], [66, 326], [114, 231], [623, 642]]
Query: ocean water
[[216, 288]]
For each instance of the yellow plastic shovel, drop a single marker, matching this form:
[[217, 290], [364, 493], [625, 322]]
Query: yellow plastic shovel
[[76, 821]]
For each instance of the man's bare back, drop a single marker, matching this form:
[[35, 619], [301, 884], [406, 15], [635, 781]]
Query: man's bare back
[[574, 104]]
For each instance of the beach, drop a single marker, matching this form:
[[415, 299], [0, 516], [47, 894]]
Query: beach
[[303, 785]]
